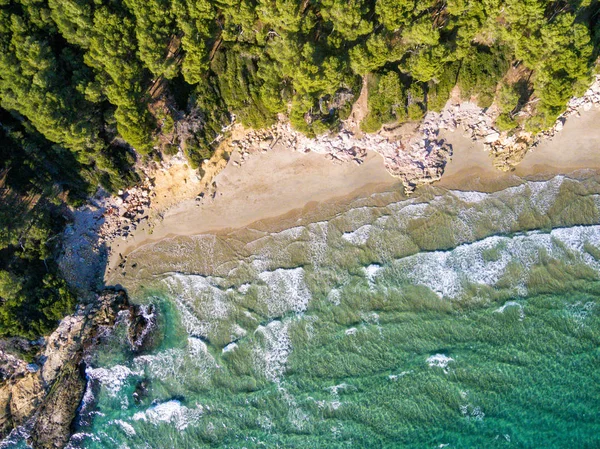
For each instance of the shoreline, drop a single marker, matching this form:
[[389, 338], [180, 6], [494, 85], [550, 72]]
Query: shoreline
[[242, 197], [270, 185]]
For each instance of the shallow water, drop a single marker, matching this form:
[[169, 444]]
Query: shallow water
[[449, 319]]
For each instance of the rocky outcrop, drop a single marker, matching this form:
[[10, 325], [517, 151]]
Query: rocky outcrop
[[26, 394], [47, 399], [6, 420], [21, 390], [142, 323], [63, 344], [416, 159], [19, 398], [52, 428]]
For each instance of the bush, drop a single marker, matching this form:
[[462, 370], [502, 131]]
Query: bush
[[480, 72], [386, 101], [415, 112]]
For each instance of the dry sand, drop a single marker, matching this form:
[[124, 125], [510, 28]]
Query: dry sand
[[574, 148], [272, 184]]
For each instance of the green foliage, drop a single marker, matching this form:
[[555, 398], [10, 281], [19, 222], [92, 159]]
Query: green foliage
[[347, 18], [239, 86], [194, 19], [86, 73], [386, 101], [480, 72], [154, 25], [32, 295], [373, 54], [415, 111], [438, 91], [507, 100], [505, 122]]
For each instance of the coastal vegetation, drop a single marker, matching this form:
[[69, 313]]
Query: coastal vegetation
[[89, 88]]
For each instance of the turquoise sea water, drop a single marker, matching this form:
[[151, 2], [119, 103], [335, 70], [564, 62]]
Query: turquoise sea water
[[449, 319]]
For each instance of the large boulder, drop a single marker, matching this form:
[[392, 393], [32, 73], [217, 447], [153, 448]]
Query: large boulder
[[53, 425], [6, 421], [62, 345], [26, 395]]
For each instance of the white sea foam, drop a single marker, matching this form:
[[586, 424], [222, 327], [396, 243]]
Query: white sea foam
[[406, 210], [543, 193], [163, 365], [470, 196], [372, 271], [395, 377], [171, 412], [334, 296], [512, 304], [127, 428], [290, 233], [286, 291], [229, 348], [199, 296], [359, 236], [318, 241], [196, 347], [270, 358], [243, 289], [439, 360], [113, 378], [445, 272], [202, 293]]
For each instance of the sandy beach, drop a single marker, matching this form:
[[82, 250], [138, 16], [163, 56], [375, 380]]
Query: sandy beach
[[574, 148], [274, 183], [266, 186]]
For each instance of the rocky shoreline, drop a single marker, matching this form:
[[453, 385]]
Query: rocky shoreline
[[419, 156], [39, 401]]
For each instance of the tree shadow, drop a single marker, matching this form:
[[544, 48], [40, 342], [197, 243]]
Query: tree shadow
[[84, 257]]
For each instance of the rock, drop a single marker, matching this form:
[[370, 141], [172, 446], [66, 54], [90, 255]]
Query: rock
[[492, 137], [141, 391], [6, 421], [62, 344], [142, 323], [48, 398], [559, 125], [26, 395], [52, 428]]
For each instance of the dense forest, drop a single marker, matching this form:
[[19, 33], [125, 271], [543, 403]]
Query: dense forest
[[89, 88]]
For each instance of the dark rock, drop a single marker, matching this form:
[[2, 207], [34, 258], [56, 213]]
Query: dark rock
[[143, 321], [141, 391]]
